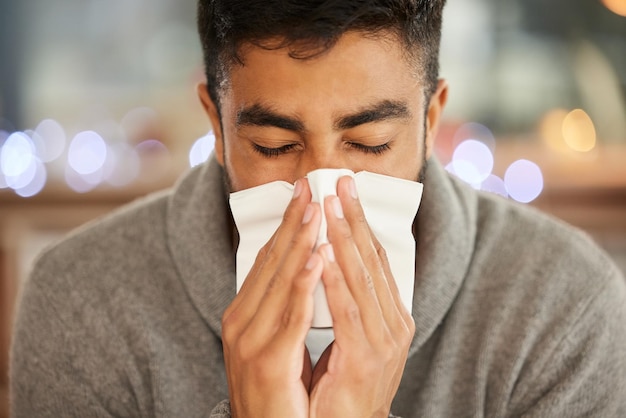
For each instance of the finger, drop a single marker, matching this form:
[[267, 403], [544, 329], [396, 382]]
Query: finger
[[393, 286], [294, 278], [344, 309], [372, 253], [271, 253], [348, 259], [288, 339]]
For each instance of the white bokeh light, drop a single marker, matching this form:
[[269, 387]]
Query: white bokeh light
[[475, 131], [87, 153], [24, 178], [524, 181], [201, 149], [52, 140], [37, 182], [3, 136], [472, 161], [82, 183], [17, 155]]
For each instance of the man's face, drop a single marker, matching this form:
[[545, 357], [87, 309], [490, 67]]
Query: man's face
[[357, 106]]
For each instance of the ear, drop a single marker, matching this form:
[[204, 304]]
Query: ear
[[433, 117], [211, 110]]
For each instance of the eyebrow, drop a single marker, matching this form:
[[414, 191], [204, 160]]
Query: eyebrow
[[382, 111], [263, 116], [260, 115]]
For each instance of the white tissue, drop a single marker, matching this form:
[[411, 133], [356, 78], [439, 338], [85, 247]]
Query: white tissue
[[389, 204]]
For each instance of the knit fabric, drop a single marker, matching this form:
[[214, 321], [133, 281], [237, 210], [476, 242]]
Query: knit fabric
[[516, 314]]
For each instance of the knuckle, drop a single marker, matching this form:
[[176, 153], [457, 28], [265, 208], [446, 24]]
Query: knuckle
[[360, 217], [371, 258], [346, 234], [288, 215], [365, 278], [294, 319], [409, 323], [229, 329], [351, 313], [300, 288], [381, 252], [389, 350], [263, 252], [301, 242], [271, 257], [276, 280]]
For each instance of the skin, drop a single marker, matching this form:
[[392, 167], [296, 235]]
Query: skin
[[357, 106]]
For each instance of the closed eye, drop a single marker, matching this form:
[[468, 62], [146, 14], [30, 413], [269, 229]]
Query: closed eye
[[370, 149], [273, 152]]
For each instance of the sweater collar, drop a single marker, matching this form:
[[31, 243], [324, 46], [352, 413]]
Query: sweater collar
[[445, 233], [199, 239]]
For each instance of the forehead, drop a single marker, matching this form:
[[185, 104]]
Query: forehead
[[356, 65]]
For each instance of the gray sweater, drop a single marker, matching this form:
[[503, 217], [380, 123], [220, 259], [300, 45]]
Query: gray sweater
[[516, 314]]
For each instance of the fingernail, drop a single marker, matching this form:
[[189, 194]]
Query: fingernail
[[311, 263], [330, 253], [337, 208], [308, 214], [297, 189], [353, 192]]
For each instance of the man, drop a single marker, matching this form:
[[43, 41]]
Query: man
[[514, 314]]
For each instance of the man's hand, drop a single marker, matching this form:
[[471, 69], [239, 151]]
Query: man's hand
[[358, 376], [265, 327]]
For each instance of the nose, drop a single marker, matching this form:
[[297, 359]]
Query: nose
[[320, 155]]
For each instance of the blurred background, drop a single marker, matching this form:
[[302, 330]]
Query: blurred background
[[98, 107]]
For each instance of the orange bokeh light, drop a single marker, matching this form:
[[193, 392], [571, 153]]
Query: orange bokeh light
[[578, 131], [616, 6]]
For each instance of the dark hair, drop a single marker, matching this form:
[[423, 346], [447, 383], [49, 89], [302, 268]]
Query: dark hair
[[311, 27]]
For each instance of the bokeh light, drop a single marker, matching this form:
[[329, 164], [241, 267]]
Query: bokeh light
[[151, 147], [579, 132], [51, 140], [82, 183], [36, 183], [87, 153], [201, 149], [3, 137], [17, 155], [472, 161], [524, 181], [616, 6], [475, 131], [20, 167]]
